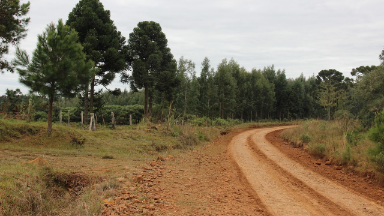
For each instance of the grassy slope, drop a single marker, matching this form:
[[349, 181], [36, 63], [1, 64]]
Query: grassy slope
[[346, 145], [95, 166], [110, 154]]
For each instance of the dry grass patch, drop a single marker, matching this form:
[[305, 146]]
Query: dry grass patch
[[345, 144]]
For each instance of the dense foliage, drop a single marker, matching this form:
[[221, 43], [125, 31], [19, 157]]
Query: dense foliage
[[13, 25], [102, 43], [153, 66]]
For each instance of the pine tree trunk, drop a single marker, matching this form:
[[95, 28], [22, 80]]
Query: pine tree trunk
[[49, 130]]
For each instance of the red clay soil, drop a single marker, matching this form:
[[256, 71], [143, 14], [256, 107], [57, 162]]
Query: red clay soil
[[207, 181], [204, 181], [362, 183]]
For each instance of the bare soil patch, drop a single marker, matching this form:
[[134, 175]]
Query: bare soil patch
[[207, 181], [204, 181]]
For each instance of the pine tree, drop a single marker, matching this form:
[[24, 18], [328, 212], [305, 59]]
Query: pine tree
[[153, 65], [58, 66], [102, 43], [12, 27]]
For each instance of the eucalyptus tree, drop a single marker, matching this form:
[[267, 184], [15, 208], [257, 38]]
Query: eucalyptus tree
[[13, 25], [102, 42], [58, 66], [281, 93], [227, 89], [187, 94], [203, 80], [153, 65], [266, 96]]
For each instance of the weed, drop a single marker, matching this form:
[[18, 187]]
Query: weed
[[159, 147], [305, 138], [187, 139], [77, 139], [317, 150], [201, 136], [353, 138], [347, 154], [107, 157], [174, 134], [380, 162], [323, 126]]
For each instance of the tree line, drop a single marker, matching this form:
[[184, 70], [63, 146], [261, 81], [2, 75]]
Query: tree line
[[86, 51]]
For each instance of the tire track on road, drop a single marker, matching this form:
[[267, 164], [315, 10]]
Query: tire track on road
[[286, 187]]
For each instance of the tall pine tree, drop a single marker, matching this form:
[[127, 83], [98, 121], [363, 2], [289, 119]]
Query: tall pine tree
[[58, 66], [153, 65], [102, 43]]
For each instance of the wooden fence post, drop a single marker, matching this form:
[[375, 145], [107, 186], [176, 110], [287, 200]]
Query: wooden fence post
[[113, 120], [61, 116], [82, 118], [92, 124], [130, 119]]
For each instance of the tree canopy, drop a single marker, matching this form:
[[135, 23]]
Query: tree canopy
[[153, 65], [102, 43], [13, 25]]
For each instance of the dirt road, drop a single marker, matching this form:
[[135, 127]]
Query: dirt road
[[287, 188]]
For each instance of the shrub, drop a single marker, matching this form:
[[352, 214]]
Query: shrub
[[220, 122], [347, 154], [305, 138], [376, 133], [41, 116], [379, 159], [353, 138], [317, 150]]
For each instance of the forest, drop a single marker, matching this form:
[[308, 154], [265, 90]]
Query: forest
[[163, 88]]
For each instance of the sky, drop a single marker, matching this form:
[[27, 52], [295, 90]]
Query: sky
[[299, 36]]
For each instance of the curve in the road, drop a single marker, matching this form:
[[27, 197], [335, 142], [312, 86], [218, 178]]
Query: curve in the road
[[287, 188]]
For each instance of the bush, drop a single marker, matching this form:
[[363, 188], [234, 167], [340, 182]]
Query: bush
[[317, 150], [204, 121], [220, 122], [379, 159], [376, 133], [305, 138], [353, 138], [41, 116], [347, 154]]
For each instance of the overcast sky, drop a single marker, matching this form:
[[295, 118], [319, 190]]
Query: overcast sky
[[300, 36]]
